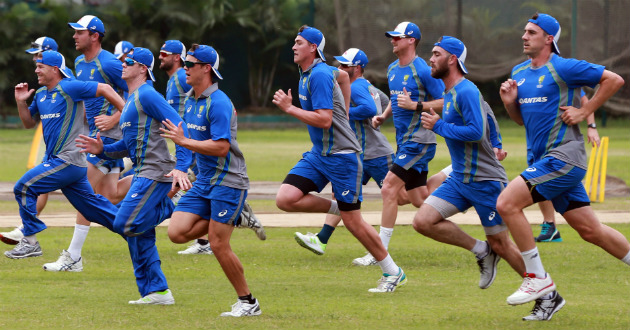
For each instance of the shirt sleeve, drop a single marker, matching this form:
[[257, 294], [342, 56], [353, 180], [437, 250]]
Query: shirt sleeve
[[493, 125], [220, 119], [33, 108], [321, 85], [114, 150], [157, 108], [81, 90], [362, 105], [578, 73], [469, 107]]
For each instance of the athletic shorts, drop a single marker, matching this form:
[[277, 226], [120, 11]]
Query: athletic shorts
[[218, 203], [343, 171], [417, 156], [106, 166], [481, 195], [557, 181], [377, 168]]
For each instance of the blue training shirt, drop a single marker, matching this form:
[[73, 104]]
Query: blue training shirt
[[140, 123], [541, 93], [467, 133], [62, 114], [318, 90], [104, 68], [176, 89], [416, 79], [213, 117]]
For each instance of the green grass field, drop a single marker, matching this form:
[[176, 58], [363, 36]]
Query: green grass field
[[299, 290]]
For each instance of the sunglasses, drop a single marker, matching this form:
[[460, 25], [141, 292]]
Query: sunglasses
[[399, 37], [131, 62], [347, 66], [165, 53], [190, 64]]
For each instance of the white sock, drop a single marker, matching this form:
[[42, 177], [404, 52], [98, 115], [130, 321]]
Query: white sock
[[388, 266], [385, 234], [80, 234], [480, 249], [626, 259], [533, 264], [334, 208], [32, 239]]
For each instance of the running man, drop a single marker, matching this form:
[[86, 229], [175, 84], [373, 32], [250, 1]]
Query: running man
[[59, 106], [95, 64], [542, 95], [366, 101], [214, 204], [411, 89], [477, 177], [335, 156], [147, 203]]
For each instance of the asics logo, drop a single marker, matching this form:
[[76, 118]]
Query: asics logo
[[345, 192], [520, 82], [531, 169], [43, 99], [92, 155], [46, 165], [134, 195], [222, 213], [402, 156], [491, 216], [392, 78]]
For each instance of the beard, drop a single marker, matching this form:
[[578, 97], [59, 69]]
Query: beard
[[439, 73], [166, 66]]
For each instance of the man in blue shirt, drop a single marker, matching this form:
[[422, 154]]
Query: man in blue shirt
[[543, 95], [59, 106], [147, 203], [411, 89], [335, 156], [366, 101], [215, 203], [477, 177], [95, 64]]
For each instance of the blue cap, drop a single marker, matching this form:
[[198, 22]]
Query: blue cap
[[455, 47], [144, 57], [90, 23], [122, 48], [405, 29], [551, 26], [53, 58], [175, 47], [353, 57], [316, 37], [207, 54], [42, 44]]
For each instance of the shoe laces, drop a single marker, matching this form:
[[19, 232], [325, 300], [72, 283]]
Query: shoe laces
[[546, 228]]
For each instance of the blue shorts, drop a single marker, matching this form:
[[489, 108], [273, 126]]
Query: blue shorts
[[481, 195], [417, 156], [343, 171], [219, 203], [377, 168], [557, 181], [106, 166]]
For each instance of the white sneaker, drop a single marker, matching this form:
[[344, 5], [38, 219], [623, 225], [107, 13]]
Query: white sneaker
[[310, 242], [178, 195], [367, 260], [155, 298], [488, 268], [12, 237], [249, 220], [24, 250], [545, 308], [242, 308], [65, 263], [197, 248], [531, 289], [388, 283]]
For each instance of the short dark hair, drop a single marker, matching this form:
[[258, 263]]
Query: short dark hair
[[536, 17], [100, 36]]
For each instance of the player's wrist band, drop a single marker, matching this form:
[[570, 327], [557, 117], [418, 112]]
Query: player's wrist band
[[592, 125], [419, 107]]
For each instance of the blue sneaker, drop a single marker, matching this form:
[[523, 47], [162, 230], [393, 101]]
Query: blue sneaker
[[549, 233]]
